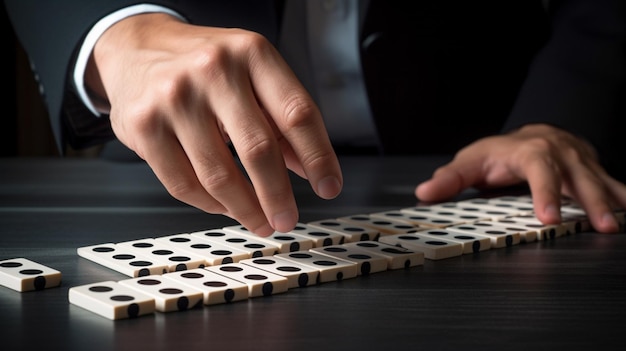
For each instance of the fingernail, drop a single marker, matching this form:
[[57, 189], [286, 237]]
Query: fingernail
[[328, 187], [284, 221], [608, 221], [553, 212]]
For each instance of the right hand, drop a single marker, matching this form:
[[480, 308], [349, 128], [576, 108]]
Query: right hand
[[180, 93]]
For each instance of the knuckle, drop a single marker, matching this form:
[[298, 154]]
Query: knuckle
[[318, 160], [298, 111], [210, 61], [181, 189], [249, 40], [216, 179], [257, 147]]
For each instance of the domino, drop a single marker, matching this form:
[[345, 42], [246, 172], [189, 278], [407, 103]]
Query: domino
[[510, 199], [527, 235], [330, 269], [350, 231], [121, 260], [383, 225], [367, 262], [397, 257], [286, 242], [428, 220], [216, 289], [21, 274], [544, 231], [253, 246], [577, 222], [213, 253], [433, 248], [500, 236], [112, 300], [299, 276], [480, 212], [457, 216], [471, 243], [572, 223], [318, 236], [260, 282], [168, 296], [497, 208], [173, 259]]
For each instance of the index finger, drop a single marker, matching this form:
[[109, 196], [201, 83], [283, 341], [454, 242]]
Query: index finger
[[299, 120]]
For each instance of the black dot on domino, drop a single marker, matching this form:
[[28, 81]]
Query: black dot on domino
[[267, 289], [366, 268], [476, 246], [229, 295]]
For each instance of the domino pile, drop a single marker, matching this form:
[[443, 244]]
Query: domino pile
[[187, 270], [182, 271]]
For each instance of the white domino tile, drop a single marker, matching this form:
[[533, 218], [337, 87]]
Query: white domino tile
[[471, 212], [23, 275], [471, 243], [416, 216], [286, 242], [496, 209], [299, 275], [383, 225], [527, 235], [260, 282], [112, 300], [168, 295], [350, 231], [253, 246], [175, 259], [331, 269], [571, 223], [213, 253], [367, 262], [544, 232], [500, 236], [122, 260], [319, 236], [433, 248], [577, 223], [456, 216], [397, 257], [521, 200], [216, 289]]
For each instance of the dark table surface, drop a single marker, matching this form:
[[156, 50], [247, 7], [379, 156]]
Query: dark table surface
[[569, 293]]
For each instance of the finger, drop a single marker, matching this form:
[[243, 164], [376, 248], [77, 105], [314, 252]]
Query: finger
[[218, 173], [259, 152], [299, 120], [589, 189], [544, 180], [449, 180], [166, 158], [617, 189]]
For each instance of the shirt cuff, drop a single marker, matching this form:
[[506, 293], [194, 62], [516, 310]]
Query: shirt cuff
[[90, 41]]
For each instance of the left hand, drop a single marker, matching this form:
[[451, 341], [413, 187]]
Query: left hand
[[552, 161]]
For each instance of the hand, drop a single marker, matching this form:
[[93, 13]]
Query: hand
[[180, 93], [552, 161]]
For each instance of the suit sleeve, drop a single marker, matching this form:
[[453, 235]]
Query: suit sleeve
[[578, 81], [51, 32]]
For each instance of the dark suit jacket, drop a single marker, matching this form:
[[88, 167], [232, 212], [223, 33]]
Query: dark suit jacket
[[439, 74]]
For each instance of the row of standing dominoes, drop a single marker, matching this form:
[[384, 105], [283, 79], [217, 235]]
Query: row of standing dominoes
[[182, 271]]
